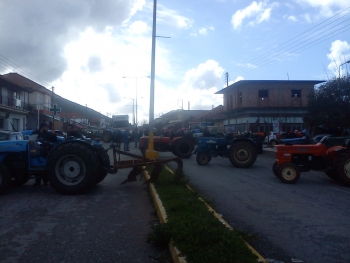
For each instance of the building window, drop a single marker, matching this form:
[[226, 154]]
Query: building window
[[240, 97], [296, 93], [263, 93]]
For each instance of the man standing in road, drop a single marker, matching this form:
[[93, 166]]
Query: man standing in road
[[126, 137], [46, 137]]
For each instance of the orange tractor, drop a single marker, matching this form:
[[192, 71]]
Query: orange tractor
[[331, 155]]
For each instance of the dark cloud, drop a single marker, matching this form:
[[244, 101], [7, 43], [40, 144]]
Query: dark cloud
[[34, 33]]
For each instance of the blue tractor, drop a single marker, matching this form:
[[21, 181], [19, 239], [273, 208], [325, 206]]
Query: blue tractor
[[70, 166], [242, 152]]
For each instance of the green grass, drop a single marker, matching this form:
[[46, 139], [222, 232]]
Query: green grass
[[193, 229]]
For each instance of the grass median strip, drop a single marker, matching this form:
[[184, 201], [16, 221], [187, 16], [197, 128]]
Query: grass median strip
[[193, 229]]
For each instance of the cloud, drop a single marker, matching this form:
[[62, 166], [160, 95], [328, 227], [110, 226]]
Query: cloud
[[204, 30], [257, 11], [339, 53], [167, 16], [196, 90], [292, 18], [94, 64], [327, 7], [34, 33]]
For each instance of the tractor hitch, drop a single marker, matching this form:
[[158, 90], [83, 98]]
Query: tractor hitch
[[139, 165]]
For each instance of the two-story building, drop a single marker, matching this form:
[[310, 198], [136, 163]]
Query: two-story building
[[14, 104], [264, 105]]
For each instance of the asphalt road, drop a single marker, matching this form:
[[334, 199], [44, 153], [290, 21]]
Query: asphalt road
[[110, 223], [309, 220]]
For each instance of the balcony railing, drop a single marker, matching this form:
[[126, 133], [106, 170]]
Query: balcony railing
[[13, 103]]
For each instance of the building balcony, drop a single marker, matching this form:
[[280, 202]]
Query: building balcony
[[6, 102]]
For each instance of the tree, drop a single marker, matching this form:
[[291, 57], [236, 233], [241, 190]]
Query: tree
[[330, 105]]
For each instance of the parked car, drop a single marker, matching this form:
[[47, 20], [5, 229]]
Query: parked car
[[7, 135]]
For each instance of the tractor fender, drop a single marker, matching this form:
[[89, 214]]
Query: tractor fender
[[332, 152], [175, 140], [89, 145]]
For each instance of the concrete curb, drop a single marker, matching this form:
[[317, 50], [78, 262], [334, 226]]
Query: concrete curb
[[175, 253]]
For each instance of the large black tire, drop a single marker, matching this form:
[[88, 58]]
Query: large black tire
[[203, 158], [342, 166], [275, 168], [243, 153], [288, 173], [331, 173], [273, 143], [107, 137], [104, 163], [183, 148], [5, 179], [72, 168]]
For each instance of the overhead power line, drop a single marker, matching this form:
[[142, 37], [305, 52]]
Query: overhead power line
[[313, 36]]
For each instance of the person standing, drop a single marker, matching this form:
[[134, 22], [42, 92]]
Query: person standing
[[136, 137], [126, 137], [46, 137]]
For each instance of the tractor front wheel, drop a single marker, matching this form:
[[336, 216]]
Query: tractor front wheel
[[106, 137], [72, 168], [288, 173], [243, 154], [343, 167], [183, 148], [5, 179], [203, 158]]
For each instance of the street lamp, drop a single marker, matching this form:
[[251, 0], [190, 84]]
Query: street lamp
[[135, 119], [133, 112]]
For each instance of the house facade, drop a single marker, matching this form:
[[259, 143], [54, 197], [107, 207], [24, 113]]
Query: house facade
[[266, 105], [38, 100], [14, 105]]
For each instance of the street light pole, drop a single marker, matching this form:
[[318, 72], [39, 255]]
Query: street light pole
[[133, 109], [136, 120]]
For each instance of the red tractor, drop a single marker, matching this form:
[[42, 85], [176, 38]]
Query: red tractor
[[331, 155], [181, 147]]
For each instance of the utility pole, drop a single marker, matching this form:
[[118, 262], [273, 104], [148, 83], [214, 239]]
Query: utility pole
[[226, 77]]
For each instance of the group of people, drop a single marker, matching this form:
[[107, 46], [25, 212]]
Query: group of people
[[133, 136]]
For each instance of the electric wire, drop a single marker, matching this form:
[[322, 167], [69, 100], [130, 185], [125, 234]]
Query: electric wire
[[279, 51]]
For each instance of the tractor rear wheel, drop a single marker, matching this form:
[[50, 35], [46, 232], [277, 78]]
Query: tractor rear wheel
[[275, 168], [242, 154], [104, 163], [331, 173], [5, 179], [203, 158], [72, 168], [183, 148], [343, 167], [288, 173]]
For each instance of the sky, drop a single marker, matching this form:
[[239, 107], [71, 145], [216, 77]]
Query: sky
[[98, 53]]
